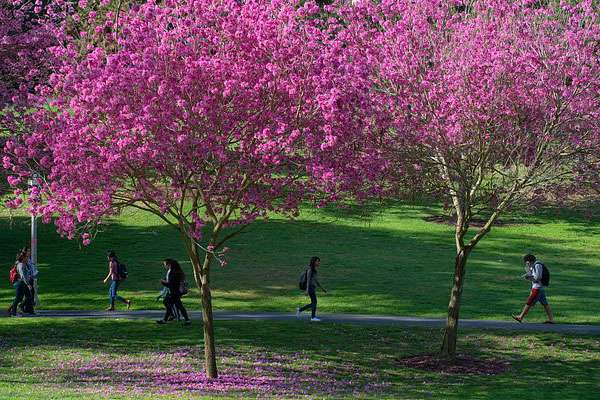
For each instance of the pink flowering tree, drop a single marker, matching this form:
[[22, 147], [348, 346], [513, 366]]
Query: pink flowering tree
[[201, 112], [24, 56], [493, 103]]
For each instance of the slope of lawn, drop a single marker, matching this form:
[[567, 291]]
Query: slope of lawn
[[125, 359], [390, 262]]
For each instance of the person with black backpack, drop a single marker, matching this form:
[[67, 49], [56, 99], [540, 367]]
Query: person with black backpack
[[309, 283], [176, 286], [539, 275], [117, 272]]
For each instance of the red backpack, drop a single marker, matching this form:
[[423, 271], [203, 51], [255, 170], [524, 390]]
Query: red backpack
[[13, 275]]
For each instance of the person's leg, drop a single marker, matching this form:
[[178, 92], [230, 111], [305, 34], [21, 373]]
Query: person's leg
[[313, 303], [544, 302], [19, 293], [168, 307], [306, 306], [179, 305], [29, 293], [531, 300], [117, 297], [112, 294]]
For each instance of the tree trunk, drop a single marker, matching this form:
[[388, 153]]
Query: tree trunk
[[210, 357], [450, 335], [201, 276]]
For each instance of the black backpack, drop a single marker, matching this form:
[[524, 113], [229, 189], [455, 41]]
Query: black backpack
[[303, 279], [122, 271], [545, 275]]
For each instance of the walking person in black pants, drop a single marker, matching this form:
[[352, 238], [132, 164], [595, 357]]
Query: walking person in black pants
[[311, 286], [175, 283], [23, 285]]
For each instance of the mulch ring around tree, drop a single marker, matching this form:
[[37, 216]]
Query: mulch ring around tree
[[462, 364]]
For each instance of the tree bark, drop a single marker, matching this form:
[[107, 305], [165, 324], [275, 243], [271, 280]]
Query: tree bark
[[210, 357], [448, 349], [202, 278]]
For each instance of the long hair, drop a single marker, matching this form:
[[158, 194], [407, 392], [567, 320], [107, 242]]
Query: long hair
[[22, 255], [112, 255], [174, 267], [312, 262]]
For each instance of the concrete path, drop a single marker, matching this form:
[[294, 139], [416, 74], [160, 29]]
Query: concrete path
[[335, 318]]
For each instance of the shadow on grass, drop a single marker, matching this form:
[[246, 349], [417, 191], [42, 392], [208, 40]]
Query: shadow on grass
[[368, 269], [339, 349]]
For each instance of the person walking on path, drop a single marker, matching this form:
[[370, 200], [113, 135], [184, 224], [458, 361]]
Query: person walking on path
[[539, 276], [115, 276], [23, 285], [311, 286], [175, 285]]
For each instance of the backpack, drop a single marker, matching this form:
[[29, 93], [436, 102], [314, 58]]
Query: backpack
[[13, 275], [183, 287], [303, 279], [545, 275], [122, 271]]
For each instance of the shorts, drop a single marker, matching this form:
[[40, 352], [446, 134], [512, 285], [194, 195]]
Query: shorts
[[537, 295]]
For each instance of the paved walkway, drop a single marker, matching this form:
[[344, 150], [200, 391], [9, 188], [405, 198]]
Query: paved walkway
[[336, 318]]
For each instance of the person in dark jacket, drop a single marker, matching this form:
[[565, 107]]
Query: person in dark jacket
[[23, 285], [174, 283], [311, 287]]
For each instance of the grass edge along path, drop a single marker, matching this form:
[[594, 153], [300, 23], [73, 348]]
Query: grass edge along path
[[332, 318]]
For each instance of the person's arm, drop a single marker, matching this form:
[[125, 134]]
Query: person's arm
[[319, 285], [537, 273], [34, 270], [308, 278], [110, 269], [528, 275], [23, 273]]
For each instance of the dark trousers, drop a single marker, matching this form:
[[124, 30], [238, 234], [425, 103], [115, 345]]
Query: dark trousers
[[313, 303], [29, 298], [173, 303], [20, 289]]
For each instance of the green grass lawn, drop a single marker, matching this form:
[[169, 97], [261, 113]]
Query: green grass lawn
[[121, 359], [392, 263]]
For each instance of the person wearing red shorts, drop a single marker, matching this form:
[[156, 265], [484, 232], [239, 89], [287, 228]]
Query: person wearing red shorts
[[534, 274]]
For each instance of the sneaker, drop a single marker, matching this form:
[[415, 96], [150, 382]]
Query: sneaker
[[315, 319], [298, 312], [549, 322], [187, 322], [161, 321], [518, 319], [110, 309]]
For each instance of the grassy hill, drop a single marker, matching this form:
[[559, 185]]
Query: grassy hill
[[390, 262]]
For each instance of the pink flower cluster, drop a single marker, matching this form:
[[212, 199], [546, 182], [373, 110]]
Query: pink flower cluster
[[206, 111], [24, 51]]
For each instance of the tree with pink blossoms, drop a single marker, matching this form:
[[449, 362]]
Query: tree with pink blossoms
[[492, 103], [202, 112], [24, 43]]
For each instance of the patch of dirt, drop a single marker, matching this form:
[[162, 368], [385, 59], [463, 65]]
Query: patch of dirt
[[465, 365]]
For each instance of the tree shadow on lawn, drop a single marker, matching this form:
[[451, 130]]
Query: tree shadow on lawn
[[79, 353], [367, 269]]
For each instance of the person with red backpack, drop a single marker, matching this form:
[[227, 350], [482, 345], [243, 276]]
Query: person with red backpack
[[116, 273], [539, 275], [20, 278]]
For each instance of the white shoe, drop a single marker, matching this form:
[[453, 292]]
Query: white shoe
[[315, 319], [298, 312]]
